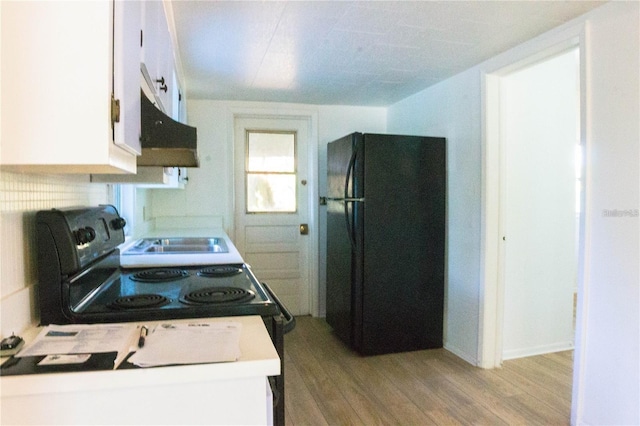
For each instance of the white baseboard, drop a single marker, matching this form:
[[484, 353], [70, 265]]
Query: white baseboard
[[461, 354], [537, 350]]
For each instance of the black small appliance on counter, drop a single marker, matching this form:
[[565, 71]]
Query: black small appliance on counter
[[81, 282]]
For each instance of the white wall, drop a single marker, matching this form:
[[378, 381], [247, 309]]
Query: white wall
[[22, 196], [452, 109], [608, 347], [209, 193], [607, 379], [539, 116]]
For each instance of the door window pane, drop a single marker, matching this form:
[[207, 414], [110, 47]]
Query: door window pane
[[271, 172]]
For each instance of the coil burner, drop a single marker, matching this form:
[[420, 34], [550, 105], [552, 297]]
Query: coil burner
[[219, 271], [139, 301], [159, 275], [218, 295]]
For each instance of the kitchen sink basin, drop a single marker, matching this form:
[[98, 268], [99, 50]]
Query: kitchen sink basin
[[178, 246], [190, 241], [186, 249]]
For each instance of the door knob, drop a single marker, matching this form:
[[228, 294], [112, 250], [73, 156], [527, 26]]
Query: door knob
[[304, 229]]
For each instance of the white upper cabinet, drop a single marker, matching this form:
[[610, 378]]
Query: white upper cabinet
[[64, 65], [155, 73], [149, 177], [127, 53], [158, 57], [151, 40]]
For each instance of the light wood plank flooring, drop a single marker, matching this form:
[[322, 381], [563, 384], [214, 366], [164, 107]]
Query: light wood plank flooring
[[327, 384]]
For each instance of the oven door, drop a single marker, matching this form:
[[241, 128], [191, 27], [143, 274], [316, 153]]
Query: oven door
[[289, 320], [278, 326]]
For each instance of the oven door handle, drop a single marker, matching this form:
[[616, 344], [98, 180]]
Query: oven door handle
[[290, 320]]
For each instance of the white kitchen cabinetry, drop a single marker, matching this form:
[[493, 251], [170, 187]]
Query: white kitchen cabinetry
[[159, 82], [149, 177], [158, 56], [62, 63], [178, 178], [230, 393], [161, 86]]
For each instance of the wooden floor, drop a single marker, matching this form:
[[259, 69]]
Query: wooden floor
[[327, 384]]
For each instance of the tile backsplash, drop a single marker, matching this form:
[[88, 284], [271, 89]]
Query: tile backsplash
[[21, 196]]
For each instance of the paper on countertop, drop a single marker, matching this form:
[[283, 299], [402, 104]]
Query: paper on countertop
[[195, 343], [83, 339]]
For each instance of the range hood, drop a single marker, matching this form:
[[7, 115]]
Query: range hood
[[165, 141]]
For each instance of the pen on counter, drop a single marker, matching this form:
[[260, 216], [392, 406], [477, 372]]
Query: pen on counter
[[143, 335]]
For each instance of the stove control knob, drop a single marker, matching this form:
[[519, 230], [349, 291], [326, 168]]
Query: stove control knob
[[118, 223], [85, 235]]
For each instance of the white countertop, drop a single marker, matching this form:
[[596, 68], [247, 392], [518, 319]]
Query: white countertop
[[173, 259], [259, 359], [227, 393]]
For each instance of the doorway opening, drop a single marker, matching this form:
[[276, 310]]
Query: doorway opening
[[539, 136], [533, 215]]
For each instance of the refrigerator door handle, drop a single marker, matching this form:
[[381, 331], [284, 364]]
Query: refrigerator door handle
[[348, 199], [346, 218], [349, 227], [347, 179]]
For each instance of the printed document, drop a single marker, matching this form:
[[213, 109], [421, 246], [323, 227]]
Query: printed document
[[194, 343], [83, 339]]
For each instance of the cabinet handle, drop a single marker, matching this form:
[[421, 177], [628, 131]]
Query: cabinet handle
[[163, 86]]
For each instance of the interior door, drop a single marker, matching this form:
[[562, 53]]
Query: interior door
[[271, 207]]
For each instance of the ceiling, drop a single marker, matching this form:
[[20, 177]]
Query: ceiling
[[371, 53]]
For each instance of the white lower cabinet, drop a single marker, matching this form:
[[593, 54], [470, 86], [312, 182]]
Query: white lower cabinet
[[228, 393], [239, 401]]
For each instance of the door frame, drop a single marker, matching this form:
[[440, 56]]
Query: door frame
[[491, 301], [311, 117], [492, 265]]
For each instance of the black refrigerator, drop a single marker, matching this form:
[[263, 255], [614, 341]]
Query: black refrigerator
[[386, 241]]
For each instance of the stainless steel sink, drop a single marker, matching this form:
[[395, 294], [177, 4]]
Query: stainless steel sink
[[198, 241], [178, 246], [186, 249]]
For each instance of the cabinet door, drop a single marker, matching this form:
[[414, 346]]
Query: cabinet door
[[176, 100], [57, 83], [126, 88], [157, 55], [165, 65], [150, 38]]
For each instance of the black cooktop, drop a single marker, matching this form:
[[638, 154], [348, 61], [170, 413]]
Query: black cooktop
[[177, 292]]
